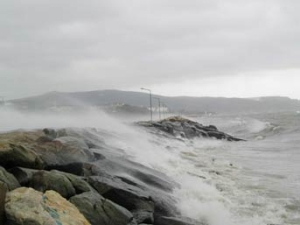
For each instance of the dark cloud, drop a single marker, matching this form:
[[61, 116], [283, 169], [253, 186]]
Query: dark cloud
[[74, 45]]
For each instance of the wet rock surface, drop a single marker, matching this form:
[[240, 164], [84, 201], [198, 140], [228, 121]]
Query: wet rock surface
[[3, 191], [185, 128], [177, 221], [99, 210], [8, 179], [77, 166], [26, 206]]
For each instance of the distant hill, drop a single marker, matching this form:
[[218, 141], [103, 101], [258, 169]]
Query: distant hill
[[107, 98]]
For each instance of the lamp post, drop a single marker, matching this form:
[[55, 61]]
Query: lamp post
[[164, 109], [158, 106], [150, 101]]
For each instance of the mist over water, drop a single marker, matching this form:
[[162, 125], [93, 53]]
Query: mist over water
[[222, 183], [13, 120]]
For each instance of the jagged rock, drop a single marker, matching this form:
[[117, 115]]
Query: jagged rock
[[128, 175], [144, 202], [175, 221], [36, 150], [78, 183], [76, 168], [128, 196], [18, 155], [25, 206], [8, 179], [99, 210], [138, 175], [3, 191], [51, 133], [53, 180], [23, 175], [64, 150], [185, 128], [143, 216]]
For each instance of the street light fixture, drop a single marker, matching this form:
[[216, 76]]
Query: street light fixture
[[150, 101]]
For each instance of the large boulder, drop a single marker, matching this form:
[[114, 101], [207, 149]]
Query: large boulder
[[38, 149], [99, 210], [143, 191], [142, 216], [53, 180], [127, 178], [76, 168], [8, 179], [19, 155], [25, 206], [124, 194], [145, 204], [23, 175], [64, 150], [79, 184], [3, 191]]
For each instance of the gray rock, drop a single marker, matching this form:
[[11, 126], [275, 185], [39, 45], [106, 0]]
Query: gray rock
[[184, 128], [135, 197], [143, 216], [51, 133], [53, 180], [99, 210], [79, 184], [128, 196], [18, 155], [76, 168], [175, 221], [8, 179], [23, 175], [25, 206], [3, 191]]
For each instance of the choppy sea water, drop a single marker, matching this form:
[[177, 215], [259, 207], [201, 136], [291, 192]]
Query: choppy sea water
[[262, 181], [256, 182]]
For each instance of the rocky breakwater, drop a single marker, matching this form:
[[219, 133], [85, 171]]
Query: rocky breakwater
[[72, 177], [184, 128]]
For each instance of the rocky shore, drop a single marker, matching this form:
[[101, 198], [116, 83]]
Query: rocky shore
[[181, 127], [72, 177]]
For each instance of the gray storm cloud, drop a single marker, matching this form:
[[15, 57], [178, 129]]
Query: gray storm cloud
[[72, 45]]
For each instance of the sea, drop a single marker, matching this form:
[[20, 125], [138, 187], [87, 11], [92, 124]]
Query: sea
[[252, 182]]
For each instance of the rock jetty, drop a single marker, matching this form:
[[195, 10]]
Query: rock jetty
[[71, 177], [184, 128]]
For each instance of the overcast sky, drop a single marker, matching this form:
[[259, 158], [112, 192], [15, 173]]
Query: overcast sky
[[225, 48]]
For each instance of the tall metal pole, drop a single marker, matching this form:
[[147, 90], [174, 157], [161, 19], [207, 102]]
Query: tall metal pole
[[165, 109], [150, 101], [158, 107]]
